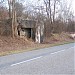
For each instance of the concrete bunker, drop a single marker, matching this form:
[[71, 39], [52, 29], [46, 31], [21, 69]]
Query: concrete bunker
[[26, 28], [31, 29]]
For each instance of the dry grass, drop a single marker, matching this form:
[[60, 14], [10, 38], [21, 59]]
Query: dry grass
[[17, 45]]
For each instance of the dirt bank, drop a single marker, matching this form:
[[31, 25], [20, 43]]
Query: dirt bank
[[9, 45]]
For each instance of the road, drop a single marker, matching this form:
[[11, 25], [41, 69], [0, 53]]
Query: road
[[47, 61]]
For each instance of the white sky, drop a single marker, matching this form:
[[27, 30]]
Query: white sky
[[40, 3], [73, 5]]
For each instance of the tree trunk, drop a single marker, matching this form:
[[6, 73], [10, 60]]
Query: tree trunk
[[50, 11], [9, 9], [54, 10], [13, 19]]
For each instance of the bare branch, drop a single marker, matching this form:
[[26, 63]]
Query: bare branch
[[1, 1]]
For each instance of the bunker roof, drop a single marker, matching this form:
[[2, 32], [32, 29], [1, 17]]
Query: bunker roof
[[28, 23]]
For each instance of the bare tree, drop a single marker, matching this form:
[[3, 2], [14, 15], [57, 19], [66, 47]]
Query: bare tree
[[1, 1], [10, 8], [48, 9], [3, 13], [14, 21], [12, 14], [19, 9]]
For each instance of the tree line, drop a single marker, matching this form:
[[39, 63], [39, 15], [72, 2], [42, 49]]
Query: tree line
[[57, 15]]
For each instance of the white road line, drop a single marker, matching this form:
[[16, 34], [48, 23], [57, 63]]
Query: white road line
[[61, 50], [37, 57], [26, 61], [58, 51]]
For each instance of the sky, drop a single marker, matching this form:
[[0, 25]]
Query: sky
[[73, 5], [35, 2], [40, 3]]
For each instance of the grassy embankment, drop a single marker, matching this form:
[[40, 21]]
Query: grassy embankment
[[25, 46]]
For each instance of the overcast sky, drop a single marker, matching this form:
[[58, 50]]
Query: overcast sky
[[73, 5], [40, 3], [35, 2]]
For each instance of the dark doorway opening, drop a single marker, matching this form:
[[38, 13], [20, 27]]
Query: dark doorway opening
[[29, 33]]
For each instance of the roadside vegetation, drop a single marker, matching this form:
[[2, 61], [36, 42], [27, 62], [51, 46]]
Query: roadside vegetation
[[17, 45]]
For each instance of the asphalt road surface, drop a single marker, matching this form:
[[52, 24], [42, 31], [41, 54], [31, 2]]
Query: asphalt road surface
[[56, 60]]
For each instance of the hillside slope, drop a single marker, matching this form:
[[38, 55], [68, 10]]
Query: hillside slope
[[9, 45]]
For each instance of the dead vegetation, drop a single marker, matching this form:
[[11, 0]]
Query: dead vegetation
[[59, 38], [9, 45]]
